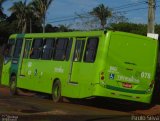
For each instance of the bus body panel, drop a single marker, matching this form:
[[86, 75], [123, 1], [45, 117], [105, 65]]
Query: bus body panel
[[38, 75], [102, 91], [130, 67], [132, 60], [124, 67], [6, 74]]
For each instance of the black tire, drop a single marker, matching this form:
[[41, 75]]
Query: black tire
[[13, 85], [56, 91]]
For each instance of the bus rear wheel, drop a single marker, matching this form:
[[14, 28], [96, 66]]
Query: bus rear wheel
[[13, 85], [56, 91]]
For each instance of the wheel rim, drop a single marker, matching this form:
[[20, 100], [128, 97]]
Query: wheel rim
[[56, 92], [13, 85]]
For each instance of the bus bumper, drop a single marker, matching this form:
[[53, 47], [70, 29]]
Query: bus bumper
[[104, 92]]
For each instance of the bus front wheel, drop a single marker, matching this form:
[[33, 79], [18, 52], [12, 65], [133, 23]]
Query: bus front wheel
[[56, 91], [13, 85]]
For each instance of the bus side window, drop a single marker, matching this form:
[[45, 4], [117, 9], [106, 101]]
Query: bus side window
[[8, 49], [91, 50], [48, 49], [61, 44], [27, 48], [78, 50], [68, 50], [36, 49], [17, 50]]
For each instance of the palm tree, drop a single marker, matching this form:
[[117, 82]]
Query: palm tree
[[40, 8], [22, 12], [102, 13]]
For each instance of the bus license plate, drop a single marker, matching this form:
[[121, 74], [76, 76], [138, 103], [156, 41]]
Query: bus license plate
[[127, 85]]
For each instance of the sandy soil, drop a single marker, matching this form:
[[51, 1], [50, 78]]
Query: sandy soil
[[4, 91], [28, 105]]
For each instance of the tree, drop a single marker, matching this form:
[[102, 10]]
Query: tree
[[40, 8], [2, 15], [64, 28], [118, 17], [102, 13], [130, 27], [23, 14]]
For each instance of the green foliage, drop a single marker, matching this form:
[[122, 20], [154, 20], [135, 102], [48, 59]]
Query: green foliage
[[61, 28], [23, 13], [130, 27], [32, 15], [157, 28], [39, 8], [102, 13], [133, 28], [2, 15]]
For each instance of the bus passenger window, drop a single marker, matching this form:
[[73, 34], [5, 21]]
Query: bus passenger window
[[36, 49], [48, 49], [61, 45], [91, 50], [18, 47], [68, 50], [27, 48], [78, 50]]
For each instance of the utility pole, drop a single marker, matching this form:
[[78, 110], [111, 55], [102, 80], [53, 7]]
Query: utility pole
[[151, 15]]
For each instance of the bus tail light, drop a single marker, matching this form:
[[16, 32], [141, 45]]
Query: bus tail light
[[102, 76]]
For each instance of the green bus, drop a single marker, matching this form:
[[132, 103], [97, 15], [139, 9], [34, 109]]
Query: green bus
[[82, 64]]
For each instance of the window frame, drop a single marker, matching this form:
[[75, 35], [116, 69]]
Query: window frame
[[39, 48], [82, 49], [87, 49], [30, 40], [64, 48], [19, 47], [52, 48]]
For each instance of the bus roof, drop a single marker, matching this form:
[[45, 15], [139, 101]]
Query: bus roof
[[59, 34], [74, 34]]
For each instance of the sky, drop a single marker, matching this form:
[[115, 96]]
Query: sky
[[63, 11]]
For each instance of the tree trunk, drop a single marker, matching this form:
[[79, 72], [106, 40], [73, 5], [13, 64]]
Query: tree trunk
[[30, 25], [24, 27], [44, 23]]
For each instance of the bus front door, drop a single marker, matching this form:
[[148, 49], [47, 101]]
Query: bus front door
[[25, 65], [8, 52]]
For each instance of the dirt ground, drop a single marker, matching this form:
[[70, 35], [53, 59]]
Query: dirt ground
[[30, 106]]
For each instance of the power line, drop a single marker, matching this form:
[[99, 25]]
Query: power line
[[136, 9], [114, 11], [73, 18], [130, 5], [87, 15]]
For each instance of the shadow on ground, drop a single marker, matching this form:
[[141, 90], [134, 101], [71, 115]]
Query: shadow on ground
[[112, 104]]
